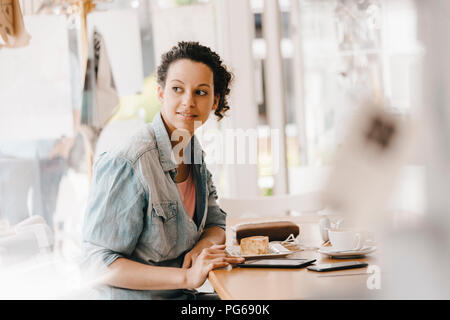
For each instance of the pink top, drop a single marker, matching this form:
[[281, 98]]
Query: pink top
[[187, 193]]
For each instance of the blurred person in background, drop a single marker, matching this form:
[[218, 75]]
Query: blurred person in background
[[39, 165]]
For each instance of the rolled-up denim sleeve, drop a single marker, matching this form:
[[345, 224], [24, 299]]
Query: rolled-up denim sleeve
[[215, 215], [115, 210]]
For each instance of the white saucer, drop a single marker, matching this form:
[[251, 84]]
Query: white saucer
[[331, 252]]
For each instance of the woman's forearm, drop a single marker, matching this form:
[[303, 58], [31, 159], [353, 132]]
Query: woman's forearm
[[129, 274], [126, 273], [215, 235]]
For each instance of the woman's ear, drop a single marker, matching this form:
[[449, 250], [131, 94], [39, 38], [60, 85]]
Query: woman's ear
[[160, 91], [216, 101]]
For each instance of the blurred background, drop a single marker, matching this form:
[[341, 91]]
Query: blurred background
[[302, 69]]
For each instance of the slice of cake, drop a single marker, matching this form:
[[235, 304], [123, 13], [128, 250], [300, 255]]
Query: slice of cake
[[254, 245]]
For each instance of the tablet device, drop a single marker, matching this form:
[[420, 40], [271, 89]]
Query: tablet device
[[276, 263]]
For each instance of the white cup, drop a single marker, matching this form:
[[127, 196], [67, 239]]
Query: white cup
[[343, 240]]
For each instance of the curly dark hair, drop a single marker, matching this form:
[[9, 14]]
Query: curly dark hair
[[196, 52]]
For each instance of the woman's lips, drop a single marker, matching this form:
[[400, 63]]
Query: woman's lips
[[185, 115]]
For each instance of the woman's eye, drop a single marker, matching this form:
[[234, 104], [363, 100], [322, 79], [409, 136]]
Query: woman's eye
[[176, 89], [202, 92]]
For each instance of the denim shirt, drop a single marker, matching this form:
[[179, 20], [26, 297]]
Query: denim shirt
[[135, 211]]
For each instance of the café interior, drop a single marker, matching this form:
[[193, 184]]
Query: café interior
[[338, 122]]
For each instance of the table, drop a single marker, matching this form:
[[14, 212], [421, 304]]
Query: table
[[287, 284]]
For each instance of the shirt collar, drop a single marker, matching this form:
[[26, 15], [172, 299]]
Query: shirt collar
[[165, 147]]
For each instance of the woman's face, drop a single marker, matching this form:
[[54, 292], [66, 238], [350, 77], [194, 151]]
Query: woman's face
[[188, 95]]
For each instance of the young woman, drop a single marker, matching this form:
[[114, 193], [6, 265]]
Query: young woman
[[152, 219]]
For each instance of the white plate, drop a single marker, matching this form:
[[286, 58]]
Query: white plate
[[330, 251], [275, 251]]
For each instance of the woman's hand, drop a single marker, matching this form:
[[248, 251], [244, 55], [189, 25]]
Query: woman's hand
[[190, 257], [212, 235], [209, 259]]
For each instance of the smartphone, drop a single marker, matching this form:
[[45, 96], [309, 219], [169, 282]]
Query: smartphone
[[276, 263], [337, 266]]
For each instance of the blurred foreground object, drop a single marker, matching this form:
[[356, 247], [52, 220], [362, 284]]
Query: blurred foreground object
[[420, 253], [12, 29], [31, 269], [367, 164], [25, 241]]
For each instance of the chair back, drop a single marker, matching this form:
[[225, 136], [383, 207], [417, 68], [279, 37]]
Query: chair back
[[304, 203]]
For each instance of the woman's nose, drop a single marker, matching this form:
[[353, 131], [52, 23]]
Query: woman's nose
[[188, 99]]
